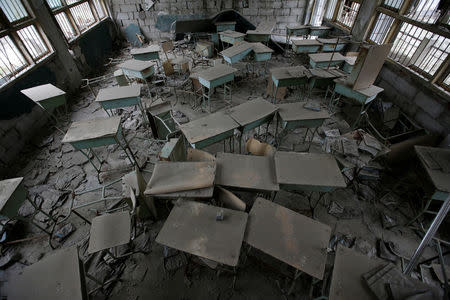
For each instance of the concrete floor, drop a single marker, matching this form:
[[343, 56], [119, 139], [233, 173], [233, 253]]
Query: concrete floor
[[50, 168]]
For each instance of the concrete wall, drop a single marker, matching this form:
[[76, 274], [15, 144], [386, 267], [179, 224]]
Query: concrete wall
[[165, 12], [20, 118]]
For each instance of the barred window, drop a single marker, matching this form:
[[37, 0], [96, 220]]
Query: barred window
[[347, 13]]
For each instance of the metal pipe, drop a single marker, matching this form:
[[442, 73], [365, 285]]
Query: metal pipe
[[428, 236]]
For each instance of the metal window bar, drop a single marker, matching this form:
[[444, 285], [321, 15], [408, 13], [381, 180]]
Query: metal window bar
[[69, 2], [13, 10], [11, 60], [54, 4], [381, 29], [425, 11], [33, 42], [329, 14], [393, 4], [447, 80], [65, 25], [83, 16], [100, 10], [348, 12]]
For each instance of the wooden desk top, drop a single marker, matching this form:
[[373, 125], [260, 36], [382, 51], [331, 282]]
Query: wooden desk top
[[42, 92], [207, 127], [323, 57], [216, 72], [118, 92], [92, 129], [236, 49], [251, 111], [192, 227], [246, 172], [319, 170], [295, 239], [136, 65], [296, 112]]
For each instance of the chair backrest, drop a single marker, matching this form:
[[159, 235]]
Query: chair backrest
[[167, 46], [258, 148], [230, 200], [199, 155]]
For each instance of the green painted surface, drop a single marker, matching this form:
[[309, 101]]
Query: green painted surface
[[258, 123], [217, 82], [119, 103], [213, 140], [54, 102], [347, 67], [263, 56], [258, 37], [441, 196], [237, 57], [305, 49], [319, 32], [14, 203], [302, 31], [94, 143], [289, 81], [330, 47], [324, 64], [352, 94], [146, 56], [231, 40], [141, 75], [224, 27]]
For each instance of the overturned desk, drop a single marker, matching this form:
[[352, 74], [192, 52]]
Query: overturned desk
[[325, 60], [287, 77], [214, 77], [192, 227], [85, 135], [295, 115], [209, 130], [290, 237], [252, 114], [246, 172]]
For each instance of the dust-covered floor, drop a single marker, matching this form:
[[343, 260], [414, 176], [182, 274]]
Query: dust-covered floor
[[361, 215]]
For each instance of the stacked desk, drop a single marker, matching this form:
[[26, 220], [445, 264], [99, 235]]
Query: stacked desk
[[258, 36], [288, 76], [214, 77], [85, 135], [252, 114], [306, 46], [209, 130], [329, 45], [192, 227], [231, 37], [294, 115], [325, 60]]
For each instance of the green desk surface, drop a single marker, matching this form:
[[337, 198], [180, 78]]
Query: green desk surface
[[251, 111], [248, 172], [145, 50], [207, 127], [324, 57], [136, 65], [236, 49], [92, 129], [7, 189], [192, 227], [232, 34], [437, 164], [216, 72], [296, 112], [42, 92], [120, 92], [295, 239], [55, 277], [308, 169], [311, 42], [261, 48]]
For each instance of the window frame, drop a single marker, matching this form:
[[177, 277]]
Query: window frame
[[336, 13], [399, 15], [75, 27], [10, 29]]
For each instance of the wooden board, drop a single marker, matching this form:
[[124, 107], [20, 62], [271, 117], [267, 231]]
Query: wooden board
[[92, 129], [7, 188], [208, 127], [145, 50], [308, 169], [323, 57], [440, 179], [170, 177], [42, 92], [55, 277], [347, 282], [296, 112], [246, 172], [120, 92], [136, 65], [251, 111], [109, 230], [216, 72], [295, 239], [192, 227]]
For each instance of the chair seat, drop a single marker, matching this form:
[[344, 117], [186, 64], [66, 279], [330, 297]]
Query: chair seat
[[110, 230]]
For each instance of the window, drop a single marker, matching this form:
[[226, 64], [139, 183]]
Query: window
[[348, 11], [76, 16], [22, 44], [419, 42], [331, 7], [318, 11]]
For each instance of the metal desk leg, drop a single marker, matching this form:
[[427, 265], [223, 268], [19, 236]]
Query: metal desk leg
[[312, 137], [428, 236], [296, 276], [90, 160], [275, 95]]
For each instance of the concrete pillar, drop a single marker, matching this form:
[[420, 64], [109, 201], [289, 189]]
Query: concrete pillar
[[57, 39], [364, 19]]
